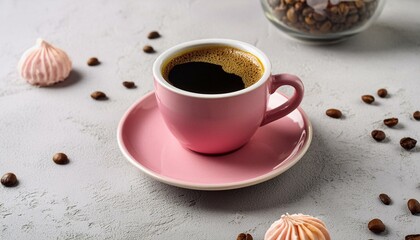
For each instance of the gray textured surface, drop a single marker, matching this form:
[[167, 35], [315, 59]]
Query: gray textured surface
[[99, 195]]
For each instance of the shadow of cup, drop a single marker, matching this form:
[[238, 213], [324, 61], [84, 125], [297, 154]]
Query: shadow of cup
[[307, 175]]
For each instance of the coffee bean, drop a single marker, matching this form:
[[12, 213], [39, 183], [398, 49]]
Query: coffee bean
[[376, 225], [408, 143], [98, 95], [243, 236], [60, 158], [382, 92], [307, 11], [129, 84], [325, 27], [391, 122], [412, 237], [309, 20], [368, 99], [416, 115], [9, 180], [414, 206], [153, 35], [385, 199], [93, 61], [344, 9], [359, 3], [334, 113], [319, 17], [291, 15], [298, 6], [148, 49], [378, 135]]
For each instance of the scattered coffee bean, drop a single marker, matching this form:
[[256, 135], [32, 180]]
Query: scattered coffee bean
[[148, 49], [129, 84], [414, 206], [412, 237], [376, 225], [385, 199], [243, 236], [334, 113], [93, 61], [368, 99], [378, 135], [98, 95], [382, 92], [391, 122], [153, 35], [416, 115], [408, 143], [60, 158], [9, 180]]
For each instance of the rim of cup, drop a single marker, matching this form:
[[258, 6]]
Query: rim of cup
[[173, 51]]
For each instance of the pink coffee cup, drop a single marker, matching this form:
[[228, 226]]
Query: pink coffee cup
[[220, 123]]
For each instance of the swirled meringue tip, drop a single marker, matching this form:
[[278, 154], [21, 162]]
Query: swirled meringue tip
[[297, 227], [44, 64]]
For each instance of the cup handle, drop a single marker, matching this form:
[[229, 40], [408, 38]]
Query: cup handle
[[291, 104]]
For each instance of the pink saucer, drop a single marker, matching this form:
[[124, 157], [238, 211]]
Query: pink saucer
[[147, 143]]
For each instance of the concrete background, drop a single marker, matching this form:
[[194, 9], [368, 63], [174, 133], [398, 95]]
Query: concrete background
[[99, 195]]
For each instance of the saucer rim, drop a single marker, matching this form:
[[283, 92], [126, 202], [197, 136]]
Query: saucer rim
[[211, 187]]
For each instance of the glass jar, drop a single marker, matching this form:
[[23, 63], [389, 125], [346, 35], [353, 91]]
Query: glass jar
[[322, 20]]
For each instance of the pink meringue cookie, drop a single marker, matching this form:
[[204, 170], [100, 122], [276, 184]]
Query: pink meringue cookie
[[297, 227], [44, 64]]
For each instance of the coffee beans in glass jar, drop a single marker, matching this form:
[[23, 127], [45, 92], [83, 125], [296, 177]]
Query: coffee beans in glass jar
[[322, 19]]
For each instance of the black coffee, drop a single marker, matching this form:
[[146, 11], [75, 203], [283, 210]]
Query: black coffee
[[203, 77], [213, 70]]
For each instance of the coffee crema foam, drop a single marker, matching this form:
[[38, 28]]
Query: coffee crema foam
[[232, 60]]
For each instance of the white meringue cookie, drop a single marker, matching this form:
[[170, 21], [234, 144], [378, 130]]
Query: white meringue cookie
[[297, 227], [44, 64]]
